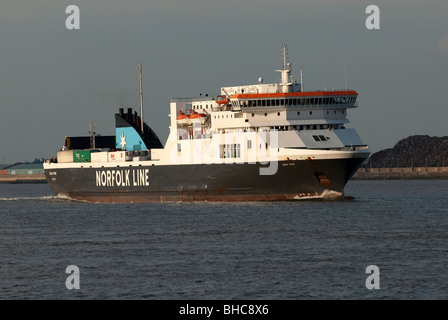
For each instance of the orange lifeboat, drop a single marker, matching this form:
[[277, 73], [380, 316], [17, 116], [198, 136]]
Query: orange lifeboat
[[194, 116], [183, 118], [222, 100]]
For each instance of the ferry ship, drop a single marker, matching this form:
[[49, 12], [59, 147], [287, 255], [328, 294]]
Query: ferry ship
[[255, 142]]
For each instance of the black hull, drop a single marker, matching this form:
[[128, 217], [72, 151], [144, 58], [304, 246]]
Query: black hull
[[214, 182]]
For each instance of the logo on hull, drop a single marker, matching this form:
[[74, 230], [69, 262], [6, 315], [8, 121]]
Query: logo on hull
[[122, 178]]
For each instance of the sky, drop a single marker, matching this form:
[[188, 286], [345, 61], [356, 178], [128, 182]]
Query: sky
[[55, 81]]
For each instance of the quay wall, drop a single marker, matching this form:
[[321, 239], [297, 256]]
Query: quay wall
[[22, 178], [402, 173]]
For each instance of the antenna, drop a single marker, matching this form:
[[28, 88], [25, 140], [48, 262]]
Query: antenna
[[284, 56], [301, 79], [286, 69], [141, 95], [345, 76], [92, 134]]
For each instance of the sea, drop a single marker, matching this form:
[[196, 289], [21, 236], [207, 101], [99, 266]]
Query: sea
[[384, 239]]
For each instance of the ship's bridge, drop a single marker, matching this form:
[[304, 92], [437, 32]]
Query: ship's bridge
[[313, 99]]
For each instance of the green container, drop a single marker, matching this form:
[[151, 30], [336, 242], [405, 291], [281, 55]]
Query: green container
[[81, 155]]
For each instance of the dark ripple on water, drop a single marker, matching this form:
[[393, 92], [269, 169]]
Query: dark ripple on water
[[311, 249]]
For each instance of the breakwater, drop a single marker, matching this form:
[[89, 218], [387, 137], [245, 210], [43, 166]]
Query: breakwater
[[402, 173]]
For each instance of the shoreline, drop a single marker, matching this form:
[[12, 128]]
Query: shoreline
[[22, 178]]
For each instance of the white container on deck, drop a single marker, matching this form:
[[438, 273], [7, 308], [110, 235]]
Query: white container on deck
[[99, 157], [65, 156], [119, 156]]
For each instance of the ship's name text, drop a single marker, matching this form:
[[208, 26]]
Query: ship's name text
[[122, 178]]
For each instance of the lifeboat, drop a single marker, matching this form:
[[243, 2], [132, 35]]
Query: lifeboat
[[222, 100], [183, 118], [194, 116]]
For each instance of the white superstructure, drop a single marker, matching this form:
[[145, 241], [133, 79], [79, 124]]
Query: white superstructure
[[243, 122]]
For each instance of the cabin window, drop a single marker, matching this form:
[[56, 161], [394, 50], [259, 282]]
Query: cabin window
[[311, 112], [179, 148], [253, 114], [249, 144], [230, 150], [278, 113], [298, 113], [265, 114]]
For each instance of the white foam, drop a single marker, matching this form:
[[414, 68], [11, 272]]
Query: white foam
[[29, 198], [327, 194]]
